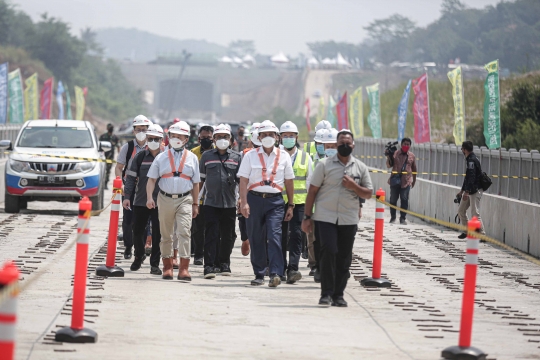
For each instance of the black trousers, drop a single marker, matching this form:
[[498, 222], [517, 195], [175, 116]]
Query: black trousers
[[127, 223], [291, 238], [141, 214], [243, 229], [335, 257], [397, 192], [317, 245], [198, 234], [219, 223]]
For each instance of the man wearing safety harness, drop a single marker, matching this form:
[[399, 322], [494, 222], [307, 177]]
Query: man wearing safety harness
[[291, 230], [125, 158], [263, 174], [178, 171]]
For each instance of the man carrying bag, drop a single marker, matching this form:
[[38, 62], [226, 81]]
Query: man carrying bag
[[404, 164]]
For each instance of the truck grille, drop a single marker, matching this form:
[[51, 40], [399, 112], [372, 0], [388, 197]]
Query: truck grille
[[53, 168]]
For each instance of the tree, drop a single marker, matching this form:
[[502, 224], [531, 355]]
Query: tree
[[88, 36], [241, 48], [452, 6], [392, 37]]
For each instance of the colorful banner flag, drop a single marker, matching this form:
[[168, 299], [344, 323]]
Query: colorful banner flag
[[332, 112], [16, 97], [374, 117], [308, 123], [31, 102], [320, 110], [45, 101], [402, 112], [69, 115], [342, 110], [3, 93], [492, 109], [60, 100], [422, 130], [79, 103], [356, 116], [456, 78]]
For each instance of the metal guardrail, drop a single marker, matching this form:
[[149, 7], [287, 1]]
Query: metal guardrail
[[514, 173], [9, 132]]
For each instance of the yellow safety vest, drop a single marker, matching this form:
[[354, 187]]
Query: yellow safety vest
[[310, 148], [300, 169]]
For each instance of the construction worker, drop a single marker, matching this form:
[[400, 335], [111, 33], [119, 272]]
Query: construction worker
[[136, 180], [263, 173], [292, 235], [313, 147], [178, 171], [125, 157], [109, 155]]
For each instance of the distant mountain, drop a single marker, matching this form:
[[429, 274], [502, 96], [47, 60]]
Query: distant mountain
[[142, 46]]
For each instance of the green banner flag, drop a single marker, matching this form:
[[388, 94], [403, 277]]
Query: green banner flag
[[374, 117], [456, 78], [16, 100], [31, 100], [356, 117], [332, 112], [69, 115], [492, 109]]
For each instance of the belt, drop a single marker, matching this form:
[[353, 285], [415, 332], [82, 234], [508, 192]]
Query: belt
[[264, 195], [175, 196]]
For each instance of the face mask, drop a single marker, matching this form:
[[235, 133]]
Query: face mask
[[268, 142], [222, 144], [140, 136], [330, 152], [344, 149], [405, 148], [152, 145], [206, 143], [320, 149], [241, 133], [289, 143], [176, 144]]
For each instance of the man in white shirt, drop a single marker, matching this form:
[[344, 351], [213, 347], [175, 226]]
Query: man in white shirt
[[263, 174], [178, 171]]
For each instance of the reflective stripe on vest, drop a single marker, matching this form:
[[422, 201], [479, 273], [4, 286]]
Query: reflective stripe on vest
[[270, 180], [300, 176], [177, 173], [310, 148]]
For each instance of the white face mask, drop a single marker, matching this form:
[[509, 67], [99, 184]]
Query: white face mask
[[152, 145], [222, 144], [140, 136], [268, 142], [176, 144]]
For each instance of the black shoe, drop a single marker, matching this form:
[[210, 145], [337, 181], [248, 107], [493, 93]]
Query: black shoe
[[225, 270], [403, 221], [155, 270], [217, 269], [275, 280], [305, 255], [209, 272], [136, 265], [392, 220], [317, 276], [257, 282], [198, 261], [127, 253], [339, 302], [148, 251], [312, 272], [293, 276], [283, 278], [325, 301], [143, 258], [462, 236]]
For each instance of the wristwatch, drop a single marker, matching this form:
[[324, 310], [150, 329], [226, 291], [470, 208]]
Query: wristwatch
[[290, 205], [307, 217]]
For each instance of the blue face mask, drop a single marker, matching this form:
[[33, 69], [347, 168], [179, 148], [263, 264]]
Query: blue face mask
[[320, 149], [289, 143], [330, 152]]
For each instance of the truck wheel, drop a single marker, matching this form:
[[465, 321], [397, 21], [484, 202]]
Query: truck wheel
[[12, 204]]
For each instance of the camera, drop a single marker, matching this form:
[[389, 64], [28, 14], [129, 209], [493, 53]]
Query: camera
[[390, 148], [457, 200]]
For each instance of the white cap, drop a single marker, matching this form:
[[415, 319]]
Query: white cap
[[288, 126], [323, 124], [268, 126], [181, 128], [155, 130], [222, 129], [320, 134], [141, 120], [329, 137]]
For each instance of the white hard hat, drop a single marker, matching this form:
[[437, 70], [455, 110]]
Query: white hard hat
[[155, 130], [141, 120], [320, 134], [222, 129], [268, 126], [255, 137], [227, 126], [181, 128], [329, 137], [288, 126], [323, 124]]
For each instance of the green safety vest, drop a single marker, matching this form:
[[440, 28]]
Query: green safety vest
[[310, 148], [300, 169]]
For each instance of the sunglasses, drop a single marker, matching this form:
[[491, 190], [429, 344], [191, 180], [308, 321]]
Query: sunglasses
[[153, 140]]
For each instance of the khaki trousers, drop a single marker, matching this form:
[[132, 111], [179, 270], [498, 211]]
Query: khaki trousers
[[171, 211], [473, 201]]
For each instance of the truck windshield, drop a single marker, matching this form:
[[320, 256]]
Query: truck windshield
[[55, 137]]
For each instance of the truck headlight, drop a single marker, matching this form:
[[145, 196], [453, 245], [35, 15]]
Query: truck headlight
[[19, 166], [86, 166]]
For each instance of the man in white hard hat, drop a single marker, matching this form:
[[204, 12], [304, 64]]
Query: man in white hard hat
[[136, 180], [311, 147], [178, 171], [292, 235], [124, 160], [263, 174]]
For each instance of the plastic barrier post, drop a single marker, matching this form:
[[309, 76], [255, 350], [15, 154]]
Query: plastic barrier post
[[9, 275], [77, 333], [464, 350], [110, 269], [375, 279]]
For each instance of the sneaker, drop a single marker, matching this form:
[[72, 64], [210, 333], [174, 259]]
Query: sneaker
[[462, 236], [403, 221], [127, 253], [155, 270], [312, 272], [339, 302], [293, 276], [317, 276], [392, 220], [275, 280], [257, 282], [326, 301], [225, 270], [198, 261], [209, 272], [217, 269], [136, 264]]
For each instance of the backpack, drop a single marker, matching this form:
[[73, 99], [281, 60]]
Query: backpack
[[131, 146], [485, 181]]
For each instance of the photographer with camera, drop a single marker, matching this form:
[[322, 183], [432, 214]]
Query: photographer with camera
[[471, 191], [402, 180]]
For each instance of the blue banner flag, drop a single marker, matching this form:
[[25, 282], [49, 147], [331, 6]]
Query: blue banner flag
[[3, 93], [60, 100], [402, 111]]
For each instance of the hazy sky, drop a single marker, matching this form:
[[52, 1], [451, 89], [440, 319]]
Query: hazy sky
[[274, 25]]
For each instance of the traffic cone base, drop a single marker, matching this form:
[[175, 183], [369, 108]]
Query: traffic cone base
[[457, 352], [70, 335], [109, 271], [381, 282]]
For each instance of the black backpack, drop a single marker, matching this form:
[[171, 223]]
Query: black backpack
[[485, 181]]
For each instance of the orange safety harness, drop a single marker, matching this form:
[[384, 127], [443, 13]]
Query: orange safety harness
[[177, 173], [269, 180]]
